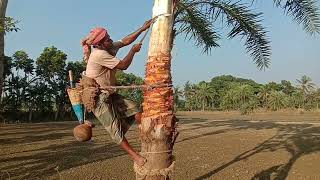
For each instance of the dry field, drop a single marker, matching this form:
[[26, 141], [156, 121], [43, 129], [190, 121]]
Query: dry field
[[212, 145]]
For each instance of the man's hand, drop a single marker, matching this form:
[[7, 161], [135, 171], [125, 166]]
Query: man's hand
[[125, 63], [136, 48], [146, 25]]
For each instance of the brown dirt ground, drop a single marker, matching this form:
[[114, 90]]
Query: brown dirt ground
[[212, 145]]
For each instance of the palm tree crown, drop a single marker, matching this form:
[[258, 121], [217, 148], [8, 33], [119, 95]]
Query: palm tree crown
[[201, 19], [305, 84]]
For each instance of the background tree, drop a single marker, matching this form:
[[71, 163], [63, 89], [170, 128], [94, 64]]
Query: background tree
[[32, 97], [177, 94], [124, 79], [77, 67], [204, 94], [306, 87], [277, 100], [190, 94], [263, 95], [21, 61], [296, 100], [286, 87], [7, 24], [316, 98], [305, 84], [240, 97], [51, 68]]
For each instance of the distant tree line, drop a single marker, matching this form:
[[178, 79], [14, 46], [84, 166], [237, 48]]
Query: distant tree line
[[230, 93], [35, 90]]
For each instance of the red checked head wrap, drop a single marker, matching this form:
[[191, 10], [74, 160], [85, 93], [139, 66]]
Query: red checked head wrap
[[96, 35]]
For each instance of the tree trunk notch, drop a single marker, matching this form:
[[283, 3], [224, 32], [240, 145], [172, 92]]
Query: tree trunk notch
[[158, 125], [158, 128]]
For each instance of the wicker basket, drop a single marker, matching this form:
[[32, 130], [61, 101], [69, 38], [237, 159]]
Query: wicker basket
[[74, 96]]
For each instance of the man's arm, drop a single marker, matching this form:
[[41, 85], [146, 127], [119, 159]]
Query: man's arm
[[133, 36], [125, 63]]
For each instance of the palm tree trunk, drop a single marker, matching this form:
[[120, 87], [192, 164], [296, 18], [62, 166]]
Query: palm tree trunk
[[158, 123], [3, 7], [202, 105]]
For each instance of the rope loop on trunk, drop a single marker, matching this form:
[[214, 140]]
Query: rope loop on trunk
[[143, 172], [156, 152], [148, 87]]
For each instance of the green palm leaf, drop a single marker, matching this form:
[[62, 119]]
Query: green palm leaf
[[304, 12], [194, 24], [196, 20]]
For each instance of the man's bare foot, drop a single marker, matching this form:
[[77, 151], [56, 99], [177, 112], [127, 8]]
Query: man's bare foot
[[139, 160]]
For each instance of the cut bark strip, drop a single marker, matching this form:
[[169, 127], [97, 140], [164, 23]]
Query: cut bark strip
[[157, 125]]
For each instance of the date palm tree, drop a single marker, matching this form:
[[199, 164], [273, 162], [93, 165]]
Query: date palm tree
[[277, 100], [305, 84], [205, 93], [177, 94], [196, 19]]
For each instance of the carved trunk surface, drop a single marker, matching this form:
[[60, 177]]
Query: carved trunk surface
[[158, 122]]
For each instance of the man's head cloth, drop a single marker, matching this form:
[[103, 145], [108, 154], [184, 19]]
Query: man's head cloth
[[94, 38]]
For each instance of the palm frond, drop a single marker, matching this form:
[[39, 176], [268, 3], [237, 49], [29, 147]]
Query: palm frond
[[247, 24], [242, 21], [195, 26], [304, 12]]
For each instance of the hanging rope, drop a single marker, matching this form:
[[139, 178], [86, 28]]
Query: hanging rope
[[148, 87], [156, 152]]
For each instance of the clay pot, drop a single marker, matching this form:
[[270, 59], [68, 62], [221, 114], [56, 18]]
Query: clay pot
[[82, 132]]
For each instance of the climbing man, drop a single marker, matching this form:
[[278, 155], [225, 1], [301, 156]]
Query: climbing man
[[114, 112]]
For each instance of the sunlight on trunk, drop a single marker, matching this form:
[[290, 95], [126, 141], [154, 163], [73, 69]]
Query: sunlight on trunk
[[158, 122]]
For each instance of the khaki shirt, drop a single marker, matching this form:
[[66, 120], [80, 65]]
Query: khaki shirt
[[101, 66]]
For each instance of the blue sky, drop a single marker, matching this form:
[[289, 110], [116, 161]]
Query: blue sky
[[62, 24]]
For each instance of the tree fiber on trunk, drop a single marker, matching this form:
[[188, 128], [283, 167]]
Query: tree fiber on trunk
[[158, 127], [158, 124]]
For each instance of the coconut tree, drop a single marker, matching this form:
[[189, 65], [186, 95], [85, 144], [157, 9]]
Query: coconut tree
[[195, 19]]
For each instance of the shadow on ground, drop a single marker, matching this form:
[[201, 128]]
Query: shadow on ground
[[47, 149], [63, 152], [298, 139]]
